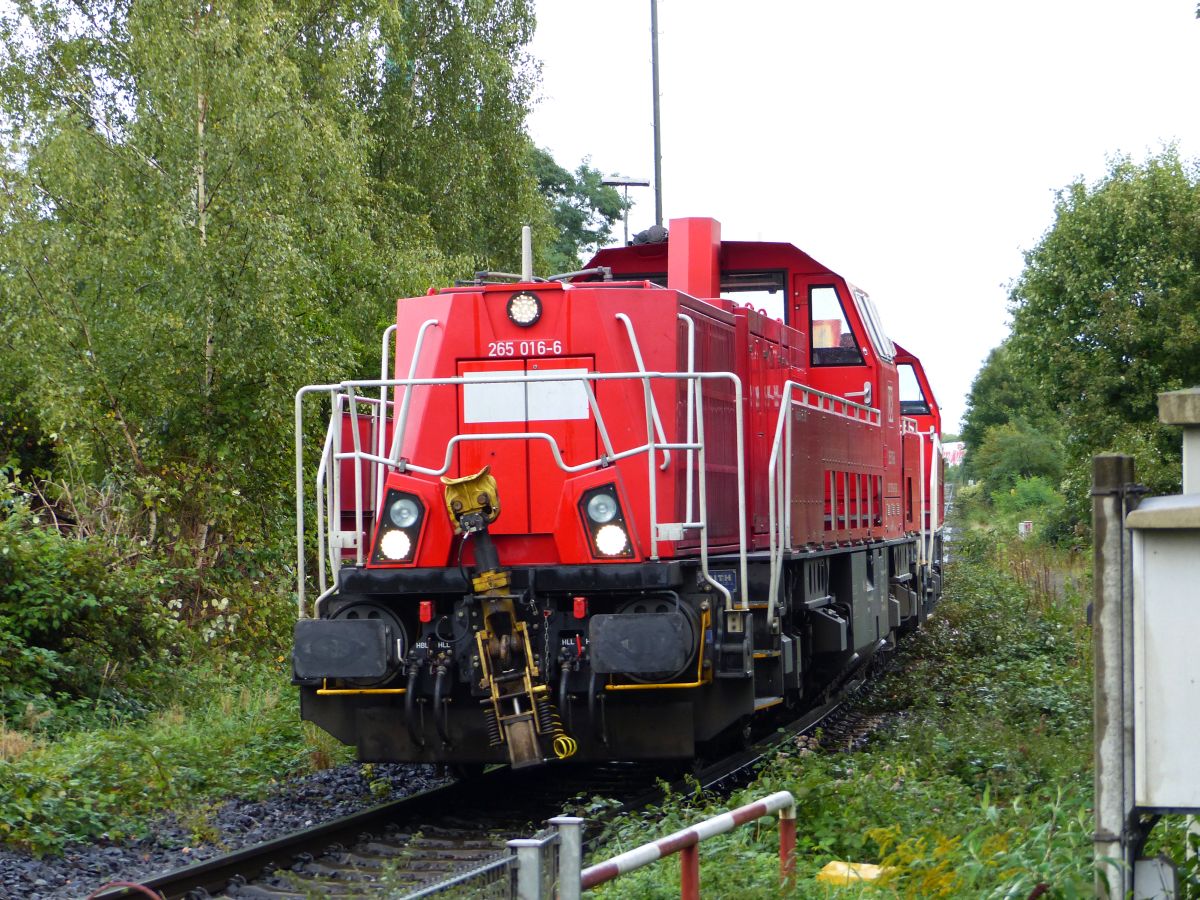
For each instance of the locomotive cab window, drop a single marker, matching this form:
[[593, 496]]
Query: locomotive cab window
[[912, 398], [833, 343], [765, 291]]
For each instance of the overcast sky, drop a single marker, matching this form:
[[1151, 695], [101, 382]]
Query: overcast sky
[[914, 147]]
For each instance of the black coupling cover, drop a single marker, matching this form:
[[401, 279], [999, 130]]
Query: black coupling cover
[[342, 648]]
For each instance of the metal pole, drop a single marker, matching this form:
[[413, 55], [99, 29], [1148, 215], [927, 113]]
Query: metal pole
[[626, 215], [1111, 474], [570, 855], [689, 872], [658, 215], [787, 846]]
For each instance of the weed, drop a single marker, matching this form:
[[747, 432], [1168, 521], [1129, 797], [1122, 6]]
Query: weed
[[14, 744], [979, 786]]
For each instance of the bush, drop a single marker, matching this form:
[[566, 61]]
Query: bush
[[1027, 499], [76, 616], [979, 786]]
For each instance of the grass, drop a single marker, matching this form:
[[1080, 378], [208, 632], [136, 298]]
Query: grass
[[218, 734], [979, 787]]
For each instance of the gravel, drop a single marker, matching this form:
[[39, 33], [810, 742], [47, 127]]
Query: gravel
[[299, 803]]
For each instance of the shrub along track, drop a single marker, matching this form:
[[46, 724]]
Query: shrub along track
[[427, 837]]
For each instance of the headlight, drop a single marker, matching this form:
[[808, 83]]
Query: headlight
[[524, 309], [395, 545], [404, 512], [611, 540], [604, 521], [602, 508], [399, 531]]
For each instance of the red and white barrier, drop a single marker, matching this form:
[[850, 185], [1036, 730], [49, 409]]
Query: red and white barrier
[[686, 842]]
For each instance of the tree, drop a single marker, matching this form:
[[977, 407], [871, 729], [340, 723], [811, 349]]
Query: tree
[[451, 159], [1014, 450], [1000, 393], [1107, 311], [584, 208], [206, 206]]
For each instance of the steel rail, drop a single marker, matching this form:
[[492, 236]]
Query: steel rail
[[493, 789]]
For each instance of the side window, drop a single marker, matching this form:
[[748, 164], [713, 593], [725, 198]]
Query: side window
[[833, 342], [765, 291], [912, 398]]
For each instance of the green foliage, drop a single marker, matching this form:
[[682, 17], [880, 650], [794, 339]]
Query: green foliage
[[1031, 499], [450, 159], [1013, 450], [979, 787], [1000, 394], [219, 738], [1107, 312], [204, 209], [584, 209], [76, 616]]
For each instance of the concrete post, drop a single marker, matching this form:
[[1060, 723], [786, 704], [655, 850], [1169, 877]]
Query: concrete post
[[570, 855], [529, 868], [1112, 637], [1183, 408]]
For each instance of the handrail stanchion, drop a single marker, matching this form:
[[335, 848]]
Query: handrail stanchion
[[401, 422], [389, 335]]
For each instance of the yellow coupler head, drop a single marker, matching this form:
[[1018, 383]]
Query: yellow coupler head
[[470, 494]]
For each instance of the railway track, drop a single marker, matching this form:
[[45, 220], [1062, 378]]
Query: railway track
[[399, 847]]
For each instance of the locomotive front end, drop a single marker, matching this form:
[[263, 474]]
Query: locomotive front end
[[504, 582]]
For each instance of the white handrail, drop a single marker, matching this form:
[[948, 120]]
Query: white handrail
[[779, 463], [691, 407], [348, 392], [381, 414], [653, 407], [401, 422]]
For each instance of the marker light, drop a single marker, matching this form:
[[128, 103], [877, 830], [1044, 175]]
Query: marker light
[[611, 540], [404, 512], [524, 309], [395, 545], [602, 508]]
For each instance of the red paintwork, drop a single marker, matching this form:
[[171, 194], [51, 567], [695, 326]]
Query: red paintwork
[[926, 424], [540, 521]]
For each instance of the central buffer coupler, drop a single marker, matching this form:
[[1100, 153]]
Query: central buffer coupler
[[519, 710]]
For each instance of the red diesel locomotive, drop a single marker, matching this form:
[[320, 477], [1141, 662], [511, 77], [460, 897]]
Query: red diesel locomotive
[[614, 514]]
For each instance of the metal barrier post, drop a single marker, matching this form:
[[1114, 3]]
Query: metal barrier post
[[570, 855], [686, 844], [529, 867], [787, 845], [689, 872]]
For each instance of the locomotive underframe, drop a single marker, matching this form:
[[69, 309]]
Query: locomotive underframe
[[836, 607]]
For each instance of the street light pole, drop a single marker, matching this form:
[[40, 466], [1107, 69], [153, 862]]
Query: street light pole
[[658, 215], [625, 184]]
